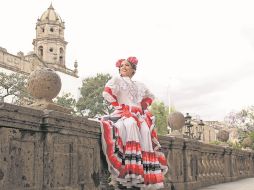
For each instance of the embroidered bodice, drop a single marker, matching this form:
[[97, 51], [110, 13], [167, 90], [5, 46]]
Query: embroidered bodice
[[125, 91]]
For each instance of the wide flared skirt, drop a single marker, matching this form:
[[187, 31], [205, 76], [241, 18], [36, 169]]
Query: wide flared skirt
[[129, 150]]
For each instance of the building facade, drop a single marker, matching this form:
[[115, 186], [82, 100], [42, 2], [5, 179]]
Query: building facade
[[49, 48]]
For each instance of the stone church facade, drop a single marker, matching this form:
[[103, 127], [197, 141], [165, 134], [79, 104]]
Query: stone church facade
[[49, 48]]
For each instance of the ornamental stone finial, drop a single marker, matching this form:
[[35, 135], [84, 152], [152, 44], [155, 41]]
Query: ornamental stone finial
[[223, 135], [247, 142], [44, 85], [176, 121]]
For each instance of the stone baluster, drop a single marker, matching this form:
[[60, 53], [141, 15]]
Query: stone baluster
[[206, 161], [200, 168], [204, 169], [213, 167], [216, 172], [234, 165], [252, 164], [210, 166], [221, 166], [249, 164]]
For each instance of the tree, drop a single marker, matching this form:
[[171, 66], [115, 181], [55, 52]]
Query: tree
[[160, 111], [13, 89], [243, 119], [66, 100], [91, 103], [244, 122]]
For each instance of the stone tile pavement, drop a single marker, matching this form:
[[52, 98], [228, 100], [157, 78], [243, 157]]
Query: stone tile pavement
[[243, 184]]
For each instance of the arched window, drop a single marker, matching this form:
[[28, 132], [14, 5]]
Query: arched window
[[40, 51], [61, 56]]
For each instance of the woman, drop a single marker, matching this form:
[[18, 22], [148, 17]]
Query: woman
[[129, 140]]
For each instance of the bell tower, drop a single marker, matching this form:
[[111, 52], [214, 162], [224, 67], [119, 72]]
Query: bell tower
[[49, 44]]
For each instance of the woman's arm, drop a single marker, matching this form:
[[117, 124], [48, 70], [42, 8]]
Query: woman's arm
[[147, 99], [111, 90]]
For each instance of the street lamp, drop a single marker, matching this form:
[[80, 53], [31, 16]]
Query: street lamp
[[200, 129], [188, 125]]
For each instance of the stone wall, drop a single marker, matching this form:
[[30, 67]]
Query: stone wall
[[25, 64], [15, 62], [47, 150]]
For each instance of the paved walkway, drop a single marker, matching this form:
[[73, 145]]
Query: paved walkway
[[243, 184]]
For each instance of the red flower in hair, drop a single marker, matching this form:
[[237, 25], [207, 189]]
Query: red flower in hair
[[133, 60], [119, 62]]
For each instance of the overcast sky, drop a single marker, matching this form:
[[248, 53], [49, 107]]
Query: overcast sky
[[201, 53]]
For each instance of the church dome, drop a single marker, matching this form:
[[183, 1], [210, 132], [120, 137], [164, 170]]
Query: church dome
[[51, 16]]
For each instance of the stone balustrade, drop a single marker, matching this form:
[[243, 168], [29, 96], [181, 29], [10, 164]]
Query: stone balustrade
[[49, 150]]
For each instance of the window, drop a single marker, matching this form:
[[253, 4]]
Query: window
[[40, 51], [61, 51], [51, 29], [51, 49], [61, 58]]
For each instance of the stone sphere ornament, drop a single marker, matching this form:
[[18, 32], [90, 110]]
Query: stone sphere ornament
[[247, 142], [223, 136], [176, 120], [44, 84]]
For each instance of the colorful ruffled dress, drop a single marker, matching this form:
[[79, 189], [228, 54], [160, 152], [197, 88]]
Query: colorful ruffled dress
[[129, 140]]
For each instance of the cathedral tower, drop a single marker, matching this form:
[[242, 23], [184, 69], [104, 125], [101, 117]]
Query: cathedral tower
[[49, 44]]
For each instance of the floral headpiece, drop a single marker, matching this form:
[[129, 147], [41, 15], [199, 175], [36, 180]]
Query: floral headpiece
[[132, 60]]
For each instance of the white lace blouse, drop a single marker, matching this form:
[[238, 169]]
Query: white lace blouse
[[125, 91]]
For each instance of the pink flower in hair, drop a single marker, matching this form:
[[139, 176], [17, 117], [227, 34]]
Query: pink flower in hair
[[133, 60], [119, 62]]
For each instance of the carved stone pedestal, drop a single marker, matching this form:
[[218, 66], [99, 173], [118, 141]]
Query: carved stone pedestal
[[43, 104]]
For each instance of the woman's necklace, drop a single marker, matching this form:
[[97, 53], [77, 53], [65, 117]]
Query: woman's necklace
[[132, 89]]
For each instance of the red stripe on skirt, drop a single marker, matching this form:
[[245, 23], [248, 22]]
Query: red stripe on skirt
[[153, 178], [110, 146]]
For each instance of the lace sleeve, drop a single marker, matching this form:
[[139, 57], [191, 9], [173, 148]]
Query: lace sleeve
[[148, 98], [149, 94], [111, 90]]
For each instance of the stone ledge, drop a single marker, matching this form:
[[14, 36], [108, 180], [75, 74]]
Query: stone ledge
[[16, 116]]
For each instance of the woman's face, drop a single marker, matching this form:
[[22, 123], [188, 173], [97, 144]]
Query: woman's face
[[126, 69]]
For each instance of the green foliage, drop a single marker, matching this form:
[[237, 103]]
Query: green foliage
[[13, 89], [215, 142], [251, 135], [235, 145], [171, 109], [242, 135], [91, 103], [67, 101], [160, 111]]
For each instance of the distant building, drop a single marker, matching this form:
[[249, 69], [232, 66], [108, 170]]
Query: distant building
[[49, 48], [208, 132], [204, 133]]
